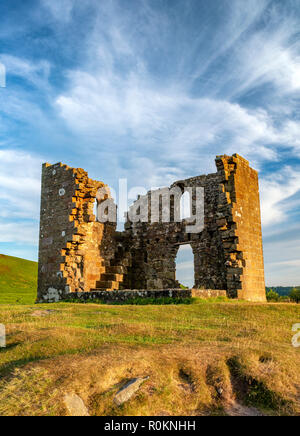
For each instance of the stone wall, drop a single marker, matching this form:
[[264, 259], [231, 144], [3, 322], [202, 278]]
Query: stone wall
[[80, 255], [73, 245], [121, 296], [240, 227], [155, 245], [130, 294], [208, 293]]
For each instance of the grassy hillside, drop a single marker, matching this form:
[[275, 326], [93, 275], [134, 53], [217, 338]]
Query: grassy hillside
[[207, 358], [18, 280]]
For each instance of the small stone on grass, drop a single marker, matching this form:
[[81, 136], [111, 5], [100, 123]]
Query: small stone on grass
[[131, 387], [75, 405]]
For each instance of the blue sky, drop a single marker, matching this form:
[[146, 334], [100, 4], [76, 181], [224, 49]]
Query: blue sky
[[152, 90]]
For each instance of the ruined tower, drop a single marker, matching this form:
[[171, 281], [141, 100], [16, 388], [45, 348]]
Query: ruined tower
[[80, 256]]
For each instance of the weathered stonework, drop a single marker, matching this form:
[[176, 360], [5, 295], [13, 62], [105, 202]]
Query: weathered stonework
[[79, 256], [72, 243], [125, 295]]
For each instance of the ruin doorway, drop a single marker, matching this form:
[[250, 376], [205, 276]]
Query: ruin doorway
[[185, 266]]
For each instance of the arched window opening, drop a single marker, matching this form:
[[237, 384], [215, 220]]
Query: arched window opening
[[185, 206], [185, 271]]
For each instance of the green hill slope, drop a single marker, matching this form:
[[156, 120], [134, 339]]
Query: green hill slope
[[18, 280]]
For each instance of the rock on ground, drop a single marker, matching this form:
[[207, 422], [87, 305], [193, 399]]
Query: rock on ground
[[75, 405], [129, 390]]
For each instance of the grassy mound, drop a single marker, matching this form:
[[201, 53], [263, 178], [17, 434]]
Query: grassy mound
[[18, 280]]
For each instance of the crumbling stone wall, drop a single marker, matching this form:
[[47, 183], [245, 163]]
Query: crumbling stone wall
[[155, 245], [79, 254], [73, 246]]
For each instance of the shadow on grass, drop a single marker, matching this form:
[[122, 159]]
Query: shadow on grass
[[253, 392], [9, 347]]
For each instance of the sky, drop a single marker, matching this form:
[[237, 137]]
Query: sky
[[152, 91]]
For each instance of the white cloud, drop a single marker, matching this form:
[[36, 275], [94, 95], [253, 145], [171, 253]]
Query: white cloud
[[180, 127], [290, 135], [268, 57], [61, 10], [19, 196], [19, 232], [276, 188], [282, 262], [238, 19], [36, 73], [288, 263], [115, 94]]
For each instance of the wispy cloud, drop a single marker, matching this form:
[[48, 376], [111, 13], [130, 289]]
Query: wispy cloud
[[275, 190], [60, 10], [19, 197], [19, 233], [282, 262], [116, 96], [36, 73]]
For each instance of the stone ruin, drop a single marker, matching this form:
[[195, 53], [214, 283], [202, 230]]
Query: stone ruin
[[80, 257]]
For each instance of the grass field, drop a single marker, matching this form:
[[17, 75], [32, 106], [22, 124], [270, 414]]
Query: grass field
[[190, 352], [18, 280], [205, 358]]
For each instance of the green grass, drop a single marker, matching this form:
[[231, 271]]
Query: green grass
[[18, 280], [121, 342], [188, 348]]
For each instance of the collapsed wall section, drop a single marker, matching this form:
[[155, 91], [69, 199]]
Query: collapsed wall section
[[70, 254]]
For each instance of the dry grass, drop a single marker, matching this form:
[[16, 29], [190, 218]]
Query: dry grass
[[202, 359]]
